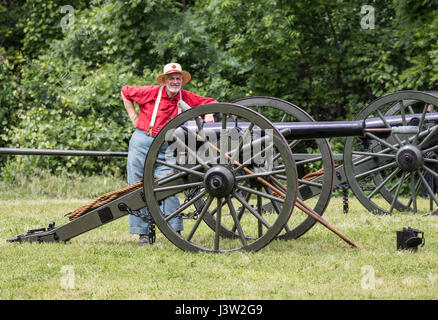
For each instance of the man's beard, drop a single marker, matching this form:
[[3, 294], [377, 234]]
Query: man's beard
[[173, 89]]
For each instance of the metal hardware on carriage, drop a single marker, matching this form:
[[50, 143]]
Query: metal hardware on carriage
[[39, 235], [151, 223], [90, 220]]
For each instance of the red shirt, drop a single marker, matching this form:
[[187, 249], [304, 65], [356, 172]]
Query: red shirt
[[145, 97]]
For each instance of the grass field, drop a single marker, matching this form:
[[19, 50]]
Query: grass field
[[108, 263]]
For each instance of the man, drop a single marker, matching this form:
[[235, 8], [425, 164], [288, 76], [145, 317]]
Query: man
[[158, 105]]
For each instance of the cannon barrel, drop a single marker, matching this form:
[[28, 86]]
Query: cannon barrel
[[323, 129], [296, 130], [397, 121], [329, 129]]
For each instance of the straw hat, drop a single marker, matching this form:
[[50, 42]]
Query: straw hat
[[171, 68]]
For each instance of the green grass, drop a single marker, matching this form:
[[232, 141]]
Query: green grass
[[108, 263]]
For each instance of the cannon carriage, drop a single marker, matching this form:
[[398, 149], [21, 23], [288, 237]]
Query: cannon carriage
[[240, 185]]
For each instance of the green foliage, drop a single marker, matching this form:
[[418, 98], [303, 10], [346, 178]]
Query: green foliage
[[8, 85], [41, 23], [312, 53], [60, 84], [10, 59], [418, 32], [67, 111]]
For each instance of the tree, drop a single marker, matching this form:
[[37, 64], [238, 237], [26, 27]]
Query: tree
[[60, 83], [69, 95]]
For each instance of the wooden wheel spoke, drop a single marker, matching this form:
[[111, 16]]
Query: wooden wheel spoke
[[201, 216], [236, 220], [252, 211]]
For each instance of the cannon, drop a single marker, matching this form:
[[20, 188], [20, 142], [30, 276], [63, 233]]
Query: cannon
[[239, 182]]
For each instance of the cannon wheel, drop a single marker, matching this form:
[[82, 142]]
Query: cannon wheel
[[379, 177], [320, 186], [221, 184]]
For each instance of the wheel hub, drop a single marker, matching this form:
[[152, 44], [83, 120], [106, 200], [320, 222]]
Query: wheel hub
[[219, 181], [409, 158]]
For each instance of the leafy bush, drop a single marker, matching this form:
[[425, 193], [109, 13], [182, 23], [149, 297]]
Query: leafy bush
[[60, 88]]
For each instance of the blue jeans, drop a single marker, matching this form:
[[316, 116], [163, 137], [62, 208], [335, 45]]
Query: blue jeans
[[138, 148]]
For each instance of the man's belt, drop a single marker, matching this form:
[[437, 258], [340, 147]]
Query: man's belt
[[149, 132]]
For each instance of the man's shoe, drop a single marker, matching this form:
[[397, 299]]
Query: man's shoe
[[143, 239]]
